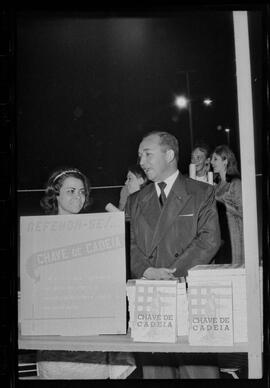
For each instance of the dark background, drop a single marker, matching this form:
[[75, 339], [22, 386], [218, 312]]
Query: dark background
[[88, 86]]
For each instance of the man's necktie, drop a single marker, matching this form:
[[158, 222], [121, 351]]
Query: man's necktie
[[162, 197]]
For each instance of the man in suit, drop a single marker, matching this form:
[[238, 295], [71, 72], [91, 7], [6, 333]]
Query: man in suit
[[173, 224]]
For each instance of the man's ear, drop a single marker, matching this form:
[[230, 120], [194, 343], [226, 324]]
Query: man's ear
[[169, 155]]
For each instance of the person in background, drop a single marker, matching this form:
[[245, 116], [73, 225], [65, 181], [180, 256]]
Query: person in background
[[174, 226], [67, 192], [229, 192], [136, 180], [200, 159]]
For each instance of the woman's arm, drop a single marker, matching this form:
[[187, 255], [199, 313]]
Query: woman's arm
[[233, 198]]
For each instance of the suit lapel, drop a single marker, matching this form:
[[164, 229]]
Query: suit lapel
[[150, 208], [176, 201]]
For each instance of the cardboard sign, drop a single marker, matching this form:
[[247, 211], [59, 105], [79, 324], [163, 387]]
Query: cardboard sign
[[73, 274]]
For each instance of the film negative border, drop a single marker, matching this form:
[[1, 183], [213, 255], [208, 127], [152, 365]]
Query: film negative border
[[8, 277]]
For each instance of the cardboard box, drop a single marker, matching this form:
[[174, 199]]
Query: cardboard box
[[210, 313], [235, 273], [153, 313]]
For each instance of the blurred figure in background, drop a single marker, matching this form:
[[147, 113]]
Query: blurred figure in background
[[136, 180], [229, 192], [199, 168]]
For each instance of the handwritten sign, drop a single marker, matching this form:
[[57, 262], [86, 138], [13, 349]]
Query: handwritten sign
[[73, 274]]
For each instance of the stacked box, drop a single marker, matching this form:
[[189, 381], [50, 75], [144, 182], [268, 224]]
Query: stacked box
[[210, 313], [237, 276], [158, 310], [155, 311]]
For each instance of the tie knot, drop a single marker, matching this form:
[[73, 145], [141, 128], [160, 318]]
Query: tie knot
[[162, 185]]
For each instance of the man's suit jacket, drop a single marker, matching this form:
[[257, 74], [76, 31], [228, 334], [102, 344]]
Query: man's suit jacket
[[181, 235]]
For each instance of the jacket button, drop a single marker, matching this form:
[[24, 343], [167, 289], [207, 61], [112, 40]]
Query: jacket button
[[176, 255]]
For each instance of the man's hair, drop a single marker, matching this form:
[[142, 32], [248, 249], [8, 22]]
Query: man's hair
[[167, 141]]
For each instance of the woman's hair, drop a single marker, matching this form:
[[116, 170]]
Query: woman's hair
[[203, 147], [232, 169], [49, 201], [139, 172]]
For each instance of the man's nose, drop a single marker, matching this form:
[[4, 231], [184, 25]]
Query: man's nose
[[141, 161]]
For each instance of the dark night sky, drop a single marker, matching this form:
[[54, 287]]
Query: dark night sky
[[88, 88]]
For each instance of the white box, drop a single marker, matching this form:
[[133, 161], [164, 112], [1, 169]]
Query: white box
[[210, 313], [155, 317]]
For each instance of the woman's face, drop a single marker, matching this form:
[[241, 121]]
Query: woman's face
[[71, 197], [198, 158], [133, 183], [218, 164]]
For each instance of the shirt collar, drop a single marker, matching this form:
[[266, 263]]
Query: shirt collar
[[169, 183]]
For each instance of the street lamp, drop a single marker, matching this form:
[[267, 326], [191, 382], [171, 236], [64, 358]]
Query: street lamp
[[183, 102], [189, 111], [188, 103], [207, 101], [227, 130]]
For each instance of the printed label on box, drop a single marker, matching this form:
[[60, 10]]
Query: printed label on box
[[210, 313], [155, 311]]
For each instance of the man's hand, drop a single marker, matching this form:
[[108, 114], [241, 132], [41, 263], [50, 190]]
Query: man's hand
[[159, 273]]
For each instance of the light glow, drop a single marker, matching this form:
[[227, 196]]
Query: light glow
[[181, 102], [207, 101]]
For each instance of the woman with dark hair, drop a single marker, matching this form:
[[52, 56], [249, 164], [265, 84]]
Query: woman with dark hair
[[64, 182], [67, 192], [228, 191], [136, 180]]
